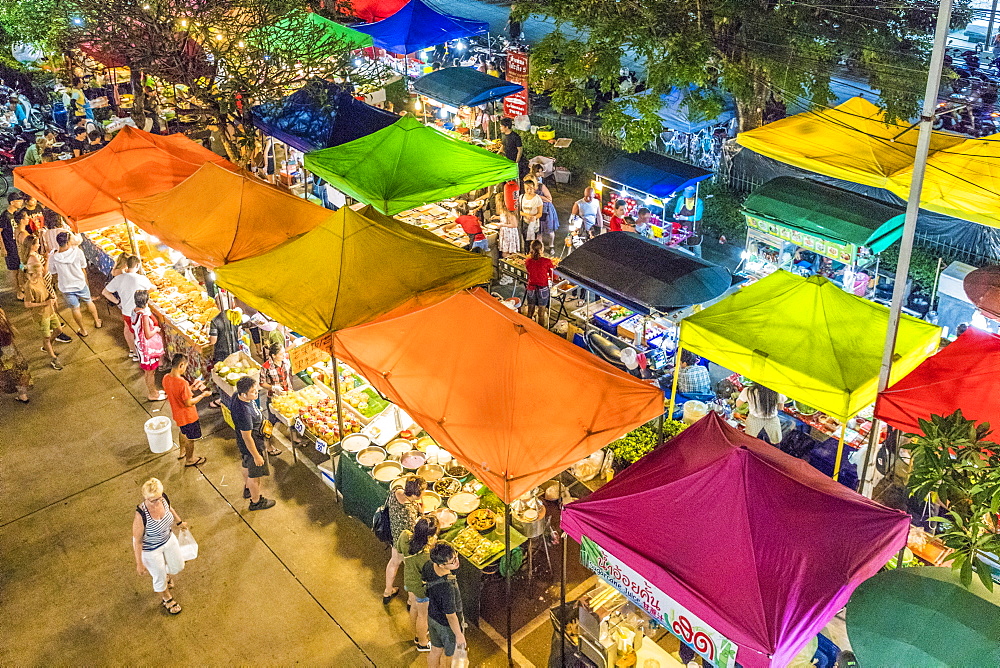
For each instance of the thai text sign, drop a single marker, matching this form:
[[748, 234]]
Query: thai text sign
[[665, 611], [308, 354], [517, 72], [839, 251]]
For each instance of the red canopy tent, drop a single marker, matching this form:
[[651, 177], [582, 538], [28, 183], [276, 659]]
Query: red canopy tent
[[514, 403], [961, 376], [370, 11], [89, 190], [730, 541]]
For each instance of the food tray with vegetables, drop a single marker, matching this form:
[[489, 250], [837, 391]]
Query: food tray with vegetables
[[365, 401]]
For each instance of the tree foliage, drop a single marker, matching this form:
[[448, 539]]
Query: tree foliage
[[953, 462], [754, 50]]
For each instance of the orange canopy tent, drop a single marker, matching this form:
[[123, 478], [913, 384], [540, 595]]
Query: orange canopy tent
[[216, 216], [89, 190], [514, 403]]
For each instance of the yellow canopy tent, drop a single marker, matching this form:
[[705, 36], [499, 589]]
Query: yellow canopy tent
[[807, 339], [350, 270], [850, 142], [216, 216]]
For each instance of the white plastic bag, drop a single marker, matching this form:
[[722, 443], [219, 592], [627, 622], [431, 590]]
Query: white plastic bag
[[461, 658], [189, 547]]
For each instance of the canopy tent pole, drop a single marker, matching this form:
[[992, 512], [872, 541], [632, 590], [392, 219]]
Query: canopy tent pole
[[131, 234], [506, 550], [840, 451], [677, 368], [336, 391], [562, 597]]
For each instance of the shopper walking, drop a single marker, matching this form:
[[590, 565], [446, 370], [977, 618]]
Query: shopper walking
[[415, 546], [588, 209], [510, 237], [249, 423], [617, 219], [69, 265], [14, 375], [531, 211], [275, 377], [404, 509], [549, 222], [35, 213], [148, 343], [763, 405], [121, 290], [513, 147], [10, 219], [38, 299], [446, 623], [156, 549], [184, 406], [539, 269]]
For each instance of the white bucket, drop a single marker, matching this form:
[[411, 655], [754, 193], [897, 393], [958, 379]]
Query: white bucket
[[694, 411], [158, 434]]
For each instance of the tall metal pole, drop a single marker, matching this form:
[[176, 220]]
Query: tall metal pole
[[912, 208], [506, 550], [989, 27]]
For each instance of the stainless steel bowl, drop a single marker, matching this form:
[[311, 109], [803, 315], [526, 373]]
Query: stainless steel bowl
[[431, 472], [371, 456], [413, 460]]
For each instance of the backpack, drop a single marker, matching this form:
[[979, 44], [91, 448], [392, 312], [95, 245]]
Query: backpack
[[138, 509], [380, 524]]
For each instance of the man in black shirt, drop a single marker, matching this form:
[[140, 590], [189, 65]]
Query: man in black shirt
[[513, 147], [248, 421], [79, 142], [445, 621]]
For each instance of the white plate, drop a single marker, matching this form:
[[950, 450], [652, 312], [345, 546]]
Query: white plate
[[464, 503]]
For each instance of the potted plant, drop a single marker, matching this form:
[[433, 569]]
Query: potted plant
[[955, 466]]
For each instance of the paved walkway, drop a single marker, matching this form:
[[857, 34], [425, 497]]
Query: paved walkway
[[299, 583]]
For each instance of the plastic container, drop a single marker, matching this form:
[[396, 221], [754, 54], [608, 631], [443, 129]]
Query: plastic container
[[562, 175], [158, 434], [694, 411]]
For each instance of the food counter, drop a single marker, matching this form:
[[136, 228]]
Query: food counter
[[182, 306], [439, 219]]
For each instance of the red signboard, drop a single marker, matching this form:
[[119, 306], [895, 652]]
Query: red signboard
[[517, 72]]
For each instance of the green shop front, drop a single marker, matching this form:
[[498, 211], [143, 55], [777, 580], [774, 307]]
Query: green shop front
[[810, 228]]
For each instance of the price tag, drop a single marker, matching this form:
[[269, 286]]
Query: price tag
[[300, 426], [321, 446]]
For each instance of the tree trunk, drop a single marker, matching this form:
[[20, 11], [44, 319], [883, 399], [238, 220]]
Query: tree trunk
[[750, 107], [138, 97]]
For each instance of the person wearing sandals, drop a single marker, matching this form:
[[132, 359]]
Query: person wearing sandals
[[404, 509], [148, 343], [121, 290], [156, 549], [415, 546], [184, 406]]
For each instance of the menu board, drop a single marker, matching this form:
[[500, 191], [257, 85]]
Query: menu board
[[311, 353], [839, 251]]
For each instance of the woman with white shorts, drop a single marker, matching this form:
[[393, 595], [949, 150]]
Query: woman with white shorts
[[157, 551]]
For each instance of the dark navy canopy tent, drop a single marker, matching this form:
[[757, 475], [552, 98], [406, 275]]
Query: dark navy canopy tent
[[642, 274], [464, 87], [653, 174], [319, 115], [416, 26]]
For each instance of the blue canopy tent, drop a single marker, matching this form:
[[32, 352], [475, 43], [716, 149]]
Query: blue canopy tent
[[319, 115], [650, 175], [416, 26], [464, 87], [676, 115]]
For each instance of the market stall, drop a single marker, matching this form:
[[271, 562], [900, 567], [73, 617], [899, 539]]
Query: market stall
[[795, 546], [408, 165], [415, 26], [812, 342], [953, 379], [88, 191], [812, 228], [650, 180], [450, 97], [643, 288]]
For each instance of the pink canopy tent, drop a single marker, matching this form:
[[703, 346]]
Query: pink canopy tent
[[745, 542], [955, 378]]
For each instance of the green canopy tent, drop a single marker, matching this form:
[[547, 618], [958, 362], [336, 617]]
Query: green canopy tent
[[406, 165], [821, 210], [286, 32], [351, 270], [923, 618], [807, 339]]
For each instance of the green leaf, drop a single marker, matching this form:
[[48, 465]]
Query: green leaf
[[984, 573]]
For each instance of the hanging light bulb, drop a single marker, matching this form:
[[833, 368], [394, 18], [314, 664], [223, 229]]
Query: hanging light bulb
[[184, 23]]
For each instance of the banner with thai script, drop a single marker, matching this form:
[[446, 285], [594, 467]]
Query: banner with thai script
[[517, 72], [308, 354], [665, 611]]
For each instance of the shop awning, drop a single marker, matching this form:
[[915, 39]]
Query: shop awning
[[652, 173], [807, 339], [745, 542], [286, 33], [350, 270], [924, 618], [486, 383], [951, 380], [216, 216], [89, 190], [827, 212], [406, 165], [642, 274], [416, 26], [464, 87], [319, 115]]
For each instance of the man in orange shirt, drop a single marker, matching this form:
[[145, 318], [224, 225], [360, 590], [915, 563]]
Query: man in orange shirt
[[184, 404]]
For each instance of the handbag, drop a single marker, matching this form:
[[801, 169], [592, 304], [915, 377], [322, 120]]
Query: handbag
[[151, 348], [266, 428], [188, 545], [380, 524]]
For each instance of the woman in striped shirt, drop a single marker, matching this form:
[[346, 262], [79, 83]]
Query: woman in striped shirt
[[156, 549]]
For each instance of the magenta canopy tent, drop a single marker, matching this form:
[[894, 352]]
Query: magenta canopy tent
[[730, 540]]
